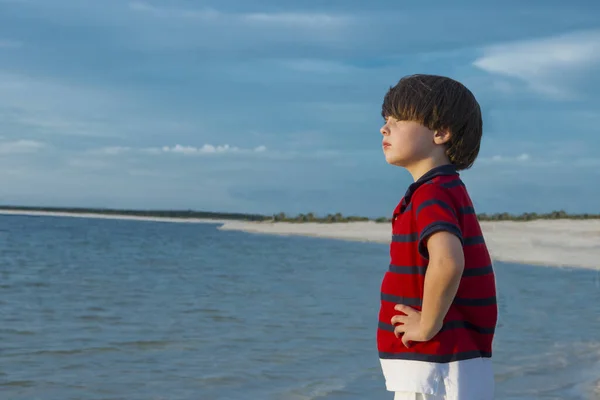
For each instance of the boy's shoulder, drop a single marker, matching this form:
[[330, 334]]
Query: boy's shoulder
[[440, 185], [445, 188]]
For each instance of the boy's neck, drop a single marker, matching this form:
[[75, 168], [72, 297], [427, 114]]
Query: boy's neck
[[424, 166]]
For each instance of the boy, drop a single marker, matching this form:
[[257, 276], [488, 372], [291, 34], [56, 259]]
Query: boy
[[438, 298]]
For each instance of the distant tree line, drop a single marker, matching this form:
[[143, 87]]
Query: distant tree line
[[331, 218], [533, 216], [145, 213], [310, 217], [282, 217]]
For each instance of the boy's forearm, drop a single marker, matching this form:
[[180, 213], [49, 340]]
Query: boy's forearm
[[441, 284]]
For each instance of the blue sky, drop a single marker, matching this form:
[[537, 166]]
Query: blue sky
[[272, 105]]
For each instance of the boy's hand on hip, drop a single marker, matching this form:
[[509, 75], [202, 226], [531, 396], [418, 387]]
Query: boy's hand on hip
[[410, 326]]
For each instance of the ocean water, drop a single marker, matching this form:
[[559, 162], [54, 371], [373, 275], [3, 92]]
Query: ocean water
[[113, 309]]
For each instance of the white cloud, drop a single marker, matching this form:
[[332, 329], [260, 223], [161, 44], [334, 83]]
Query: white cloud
[[110, 151], [525, 160], [208, 149], [301, 20], [177, 149], [203, 14], [21, 147], [524, 157], [547, 65]]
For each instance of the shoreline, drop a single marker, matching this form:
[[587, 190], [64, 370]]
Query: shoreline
[[30, 213], [554, 243]]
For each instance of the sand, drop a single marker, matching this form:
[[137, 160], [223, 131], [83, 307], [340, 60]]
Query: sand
[[561, 243]]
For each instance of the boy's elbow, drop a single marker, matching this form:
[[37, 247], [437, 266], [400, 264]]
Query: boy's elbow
[[453, 266]]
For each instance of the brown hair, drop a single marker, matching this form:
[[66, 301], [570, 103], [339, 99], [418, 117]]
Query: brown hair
[[439, 103]]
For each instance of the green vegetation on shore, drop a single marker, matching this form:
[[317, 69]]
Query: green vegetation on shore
[[185, 214], [331, 218], [282, 217]]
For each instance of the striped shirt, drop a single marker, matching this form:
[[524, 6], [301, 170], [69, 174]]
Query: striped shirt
[[438, 201]]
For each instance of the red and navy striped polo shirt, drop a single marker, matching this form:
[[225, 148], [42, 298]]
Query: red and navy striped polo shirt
[[438, 201]]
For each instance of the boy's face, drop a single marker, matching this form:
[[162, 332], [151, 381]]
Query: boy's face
[[406, 143]]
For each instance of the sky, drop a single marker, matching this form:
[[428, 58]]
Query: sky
[[270, 106]]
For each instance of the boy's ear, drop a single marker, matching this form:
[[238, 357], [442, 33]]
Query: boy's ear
[[441, 136]]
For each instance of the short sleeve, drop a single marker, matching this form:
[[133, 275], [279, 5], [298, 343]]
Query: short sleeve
[[434, 211]]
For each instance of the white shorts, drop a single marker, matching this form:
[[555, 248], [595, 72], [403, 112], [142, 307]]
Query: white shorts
[[416, 396], [471, 379]]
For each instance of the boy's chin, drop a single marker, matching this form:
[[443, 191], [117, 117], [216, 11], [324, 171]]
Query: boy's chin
[[396, 162]]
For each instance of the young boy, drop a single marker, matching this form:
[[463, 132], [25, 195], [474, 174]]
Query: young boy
[[438, 298]]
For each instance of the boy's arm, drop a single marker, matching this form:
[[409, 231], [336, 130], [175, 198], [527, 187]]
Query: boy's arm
[[445, 268], [446, 264]]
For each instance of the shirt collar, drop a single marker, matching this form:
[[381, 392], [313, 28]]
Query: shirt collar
[[447, 169]]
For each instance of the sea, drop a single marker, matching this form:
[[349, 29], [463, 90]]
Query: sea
[[121, 309]]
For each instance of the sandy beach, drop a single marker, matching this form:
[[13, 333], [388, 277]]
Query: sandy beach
[[561, 243]]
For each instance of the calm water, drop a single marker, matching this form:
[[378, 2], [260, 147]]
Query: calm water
[[101, 309]]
